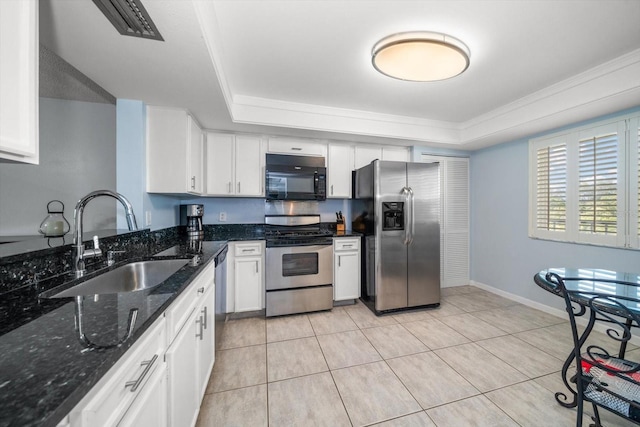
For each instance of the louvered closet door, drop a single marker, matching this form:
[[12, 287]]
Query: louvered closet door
[[454, 221]]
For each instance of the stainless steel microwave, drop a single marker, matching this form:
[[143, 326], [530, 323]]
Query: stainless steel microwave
[[295, 177]]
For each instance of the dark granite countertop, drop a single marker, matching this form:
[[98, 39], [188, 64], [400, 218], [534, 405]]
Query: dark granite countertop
[[44, 368]]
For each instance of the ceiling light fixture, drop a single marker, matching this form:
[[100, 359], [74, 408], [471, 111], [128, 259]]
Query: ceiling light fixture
[[420, 56]]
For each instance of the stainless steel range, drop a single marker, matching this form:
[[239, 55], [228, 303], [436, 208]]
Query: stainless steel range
[[299, 271]]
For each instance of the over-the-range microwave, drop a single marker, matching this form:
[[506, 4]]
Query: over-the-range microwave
[[295, 177]]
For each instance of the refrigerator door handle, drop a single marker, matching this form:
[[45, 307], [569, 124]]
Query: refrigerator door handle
[[412, 223], [408, 215]]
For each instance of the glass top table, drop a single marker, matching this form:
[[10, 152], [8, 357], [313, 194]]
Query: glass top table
[[593, 280], [595, 290]]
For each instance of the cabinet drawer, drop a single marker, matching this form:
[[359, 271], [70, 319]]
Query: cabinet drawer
[[247, 249], [117, 391], [287, 146], [344, 244], [178, 313]]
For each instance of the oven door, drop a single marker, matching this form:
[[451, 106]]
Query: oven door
[[298, 266]]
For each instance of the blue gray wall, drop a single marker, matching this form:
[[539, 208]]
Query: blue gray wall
[[502, 254]]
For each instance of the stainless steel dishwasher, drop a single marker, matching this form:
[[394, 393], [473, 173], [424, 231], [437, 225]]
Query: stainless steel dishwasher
[[221, 294]]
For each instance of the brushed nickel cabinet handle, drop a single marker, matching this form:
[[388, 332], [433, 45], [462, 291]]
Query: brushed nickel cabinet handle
[[201, 334], [296, 148], [204, 317], [135, 384]]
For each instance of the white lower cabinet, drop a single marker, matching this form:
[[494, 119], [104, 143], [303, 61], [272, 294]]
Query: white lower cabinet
[[346, 268], [246, 276], [117, 397], [161, 380], [182, 373], [149, 408], [206, 341], [190, 355]]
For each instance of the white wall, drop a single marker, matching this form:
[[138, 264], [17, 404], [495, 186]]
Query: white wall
[[502, 254]]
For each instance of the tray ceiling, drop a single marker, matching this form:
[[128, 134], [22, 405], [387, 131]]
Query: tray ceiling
[[304, 67]]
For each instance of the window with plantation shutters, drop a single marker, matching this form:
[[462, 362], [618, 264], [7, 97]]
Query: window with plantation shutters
[[551, 188], [598, 184], [584, 184]]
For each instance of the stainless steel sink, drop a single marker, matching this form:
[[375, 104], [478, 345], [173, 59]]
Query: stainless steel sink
[[132, 277]]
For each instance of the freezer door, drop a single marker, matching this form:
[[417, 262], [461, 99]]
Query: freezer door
[[424, 250], [391, 252]]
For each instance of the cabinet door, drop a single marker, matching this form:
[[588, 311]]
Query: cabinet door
[[398, 154], [365, 155], [196, 150], [206, 340], [346, 283], [167, 150], [249, 284], [220, 164], [297, 147], [150, 406], [339, 168], [19, 80], [182, 375], [249, 166]]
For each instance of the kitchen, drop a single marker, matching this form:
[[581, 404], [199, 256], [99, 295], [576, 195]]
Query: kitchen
[[498, 207]]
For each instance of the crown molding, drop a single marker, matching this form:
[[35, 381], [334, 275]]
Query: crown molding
[[604, 89]]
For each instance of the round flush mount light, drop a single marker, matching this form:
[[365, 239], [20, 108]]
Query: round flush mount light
[[420, 56]]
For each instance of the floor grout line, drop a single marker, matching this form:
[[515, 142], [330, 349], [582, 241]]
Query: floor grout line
[[401, 323]]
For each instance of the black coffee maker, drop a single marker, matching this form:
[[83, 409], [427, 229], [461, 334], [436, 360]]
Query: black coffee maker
[[191, 216]]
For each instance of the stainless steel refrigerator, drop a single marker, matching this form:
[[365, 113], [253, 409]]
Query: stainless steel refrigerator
[[397, 208]]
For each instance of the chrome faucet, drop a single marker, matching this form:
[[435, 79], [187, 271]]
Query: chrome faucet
[[79, 252]]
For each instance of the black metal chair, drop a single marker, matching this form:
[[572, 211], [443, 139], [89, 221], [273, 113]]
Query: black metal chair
[[605, 380]]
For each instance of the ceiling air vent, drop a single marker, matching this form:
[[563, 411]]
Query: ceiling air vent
[[130, 18]]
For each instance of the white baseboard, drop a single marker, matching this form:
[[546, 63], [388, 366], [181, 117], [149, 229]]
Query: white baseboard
[[522, 300], [635, 339]]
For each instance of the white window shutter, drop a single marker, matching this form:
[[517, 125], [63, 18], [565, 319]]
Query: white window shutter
[[551, 188], [634, 183], [601, 198]]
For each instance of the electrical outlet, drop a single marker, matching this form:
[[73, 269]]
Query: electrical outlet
[[147, 218], [223, 216]]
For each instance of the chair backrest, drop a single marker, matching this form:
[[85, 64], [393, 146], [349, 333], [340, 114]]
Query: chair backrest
[[605, 377]]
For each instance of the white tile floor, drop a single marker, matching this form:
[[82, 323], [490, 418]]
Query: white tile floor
[[478, 360]]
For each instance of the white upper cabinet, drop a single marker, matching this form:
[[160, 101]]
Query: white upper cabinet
[[297, 147], [398, 154], [174, 152], [19, 49], [365, 154], [235, 165], [220, 164], [339, 167]]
